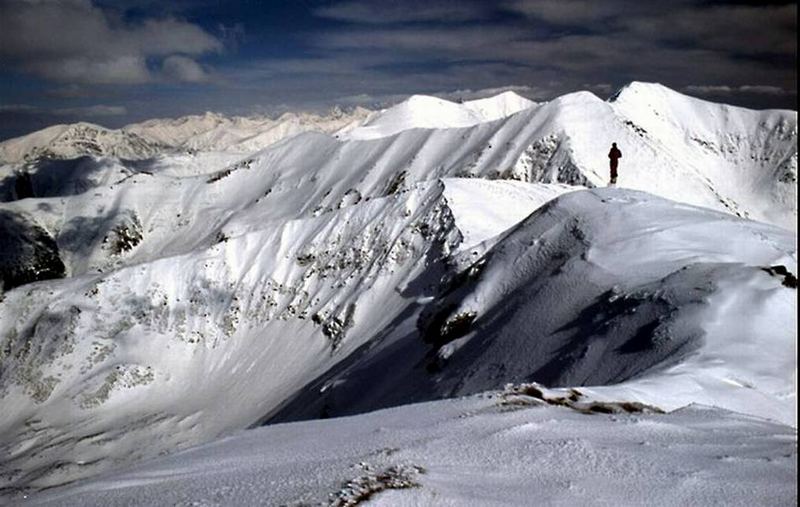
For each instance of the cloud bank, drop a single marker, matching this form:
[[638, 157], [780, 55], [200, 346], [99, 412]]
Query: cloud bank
[[73, 41], [156, 59]]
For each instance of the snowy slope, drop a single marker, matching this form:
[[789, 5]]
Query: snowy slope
[[175, 132], [499, 449], [484, 209], [650, 296], [208, 291], [418, 111], [749, 157], [498, 106], [270, 306], [563, 141], [313, 173], [597, 288]]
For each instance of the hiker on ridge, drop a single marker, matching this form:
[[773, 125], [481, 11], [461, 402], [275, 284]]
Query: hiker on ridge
[[614, 155]]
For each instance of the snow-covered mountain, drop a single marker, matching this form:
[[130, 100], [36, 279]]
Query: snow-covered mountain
[[207, 132], [70, 141], [240, 134], [214, 132], [498, 106], [438, 249], [424, 112], [748, 158]]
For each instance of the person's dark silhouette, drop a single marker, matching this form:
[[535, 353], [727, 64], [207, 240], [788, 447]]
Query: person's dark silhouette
[[613, 156]]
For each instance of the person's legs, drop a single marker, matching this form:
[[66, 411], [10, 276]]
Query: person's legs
[[613, 172]]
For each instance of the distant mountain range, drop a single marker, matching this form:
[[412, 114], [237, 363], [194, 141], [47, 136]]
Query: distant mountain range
[[207, 132]]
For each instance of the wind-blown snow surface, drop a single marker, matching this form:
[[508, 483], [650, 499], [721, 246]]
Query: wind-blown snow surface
[[206, 292], [488, 450]]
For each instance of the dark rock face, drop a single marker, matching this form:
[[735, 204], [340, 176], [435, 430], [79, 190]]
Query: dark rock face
[[51, 177], [23, 186], [27, 252]]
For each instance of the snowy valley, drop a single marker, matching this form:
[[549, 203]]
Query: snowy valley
[[455, 278]]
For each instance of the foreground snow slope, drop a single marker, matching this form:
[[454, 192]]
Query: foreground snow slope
[[498, 449], [602, 286], [126, 344]]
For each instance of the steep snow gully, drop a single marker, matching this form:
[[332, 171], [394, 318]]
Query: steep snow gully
[[173, 282]]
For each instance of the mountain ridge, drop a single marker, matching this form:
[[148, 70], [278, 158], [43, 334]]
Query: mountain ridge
[[203, 292]]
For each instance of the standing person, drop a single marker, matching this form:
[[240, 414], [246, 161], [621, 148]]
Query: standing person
[[614, 155]]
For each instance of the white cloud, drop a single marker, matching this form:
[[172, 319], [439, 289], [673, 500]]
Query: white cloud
[[17, 108], [181, 68], [763, 89], [567, 12], [708, 89], [73, 41], [373, 12], [83, 70], [727, 90], [80, 111], [92, 111]]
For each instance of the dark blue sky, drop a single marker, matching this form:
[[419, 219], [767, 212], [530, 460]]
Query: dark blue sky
[[114, 62]]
